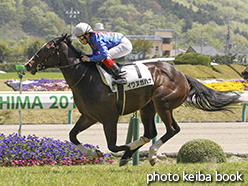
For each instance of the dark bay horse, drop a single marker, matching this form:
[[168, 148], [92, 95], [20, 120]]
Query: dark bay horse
[[245, 73], [97, 103]]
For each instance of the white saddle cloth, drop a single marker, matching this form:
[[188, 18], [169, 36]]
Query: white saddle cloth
[[137, 77]]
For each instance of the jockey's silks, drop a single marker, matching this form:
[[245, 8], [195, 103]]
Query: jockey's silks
[[108, 62], [101, 42]]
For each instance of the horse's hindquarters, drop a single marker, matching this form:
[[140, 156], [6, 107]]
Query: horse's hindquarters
[[137, 99], [171, 88], [245, 73]]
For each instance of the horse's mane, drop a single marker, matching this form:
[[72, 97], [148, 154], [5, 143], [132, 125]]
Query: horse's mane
[[78, 53]]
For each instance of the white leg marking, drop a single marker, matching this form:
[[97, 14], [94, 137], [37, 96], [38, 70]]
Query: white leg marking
[[154, 148], [143, 140], [86, 151]]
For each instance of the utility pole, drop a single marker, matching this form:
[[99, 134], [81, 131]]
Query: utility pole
[[176, 52], [72, 15], [227, 48]]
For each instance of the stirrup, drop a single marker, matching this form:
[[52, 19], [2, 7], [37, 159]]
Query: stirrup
[[122, 73], [120, 81]]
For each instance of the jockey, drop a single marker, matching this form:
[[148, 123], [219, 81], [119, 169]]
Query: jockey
[[105, 47]]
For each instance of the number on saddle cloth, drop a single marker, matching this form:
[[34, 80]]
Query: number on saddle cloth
[[137, 76]]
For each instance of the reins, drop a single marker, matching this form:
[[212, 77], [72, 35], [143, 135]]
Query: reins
[[80, 78], [42, 66], [67, 66]]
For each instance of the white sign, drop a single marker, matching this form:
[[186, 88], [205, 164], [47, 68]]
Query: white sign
[[36, 101]]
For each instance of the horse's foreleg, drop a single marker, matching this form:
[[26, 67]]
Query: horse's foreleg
[[110, 130], [83, 123], [138, 143], [89, 152]]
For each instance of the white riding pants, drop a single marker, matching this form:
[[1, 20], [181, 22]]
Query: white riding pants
[[124, 48]]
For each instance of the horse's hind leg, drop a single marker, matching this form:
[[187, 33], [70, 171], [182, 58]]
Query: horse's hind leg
[[147, 116], [83, 123], [172, 128]]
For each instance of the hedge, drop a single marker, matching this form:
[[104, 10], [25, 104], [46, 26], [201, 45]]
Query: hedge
[[192, 59]]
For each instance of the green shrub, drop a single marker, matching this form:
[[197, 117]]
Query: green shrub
[[9, 67], [201, 150], [192, 59]]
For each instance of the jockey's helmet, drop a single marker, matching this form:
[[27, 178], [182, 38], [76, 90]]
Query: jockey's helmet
[[82, 29]]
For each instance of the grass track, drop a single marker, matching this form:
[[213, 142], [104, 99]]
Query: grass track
[[108, 175]]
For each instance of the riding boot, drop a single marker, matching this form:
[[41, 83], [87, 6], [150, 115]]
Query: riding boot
[[118, 74]]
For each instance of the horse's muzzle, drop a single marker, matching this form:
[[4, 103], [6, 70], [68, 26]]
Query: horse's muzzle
[[27, 67]]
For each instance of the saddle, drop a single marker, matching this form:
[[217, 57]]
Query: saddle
[[137, 76]]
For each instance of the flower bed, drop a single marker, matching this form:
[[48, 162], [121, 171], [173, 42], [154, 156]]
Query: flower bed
[[227, 85], [17, 150], [39, 85], [61, 85]]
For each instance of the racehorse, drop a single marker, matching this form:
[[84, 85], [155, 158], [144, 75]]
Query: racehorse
[[245, 73], [97, 103]]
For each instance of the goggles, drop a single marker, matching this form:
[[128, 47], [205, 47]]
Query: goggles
[[80, 38]]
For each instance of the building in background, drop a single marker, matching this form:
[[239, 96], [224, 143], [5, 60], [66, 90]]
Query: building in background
[[205, 50], [100, 28], [162, 42], [177, 51]]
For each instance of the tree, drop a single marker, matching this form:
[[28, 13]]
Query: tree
[[34, 47], [141, 47], [3, 50], [7, 11], [16, 53], [187, 25], [224, 59]]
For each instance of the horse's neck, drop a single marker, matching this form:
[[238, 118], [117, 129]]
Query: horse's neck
[[72, 75], [79, 73]]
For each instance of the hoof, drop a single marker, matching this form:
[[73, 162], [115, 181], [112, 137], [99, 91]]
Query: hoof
[[123, 162], [153, 161], [99, 153]]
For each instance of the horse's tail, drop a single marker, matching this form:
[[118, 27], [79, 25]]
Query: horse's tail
[[208, 99]]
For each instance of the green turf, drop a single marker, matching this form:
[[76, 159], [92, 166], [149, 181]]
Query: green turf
[[47, 75], [108, 175]]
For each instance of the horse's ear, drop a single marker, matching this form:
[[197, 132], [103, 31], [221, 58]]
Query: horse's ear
[[66, 36]]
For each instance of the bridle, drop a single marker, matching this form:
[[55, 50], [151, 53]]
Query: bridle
[[42, 66]]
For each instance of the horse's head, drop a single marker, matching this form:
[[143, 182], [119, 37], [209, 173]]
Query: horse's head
[[245, 73], [47, 56]]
